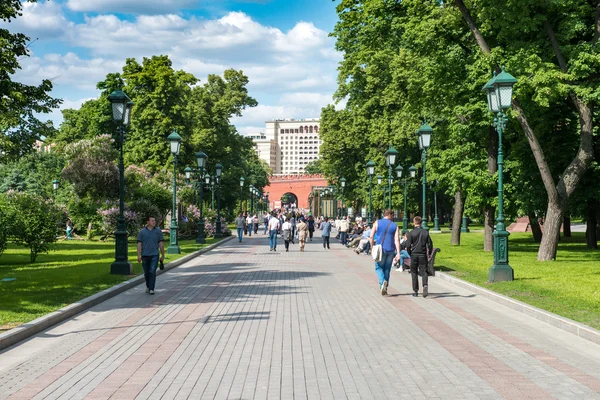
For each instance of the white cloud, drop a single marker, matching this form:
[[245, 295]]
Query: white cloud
[[129, 6], [297, 67], [43, 20]]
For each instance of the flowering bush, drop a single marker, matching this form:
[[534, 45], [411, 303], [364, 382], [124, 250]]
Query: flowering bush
[[110, 218]]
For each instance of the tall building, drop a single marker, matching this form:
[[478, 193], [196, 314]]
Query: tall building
[[291, 144]]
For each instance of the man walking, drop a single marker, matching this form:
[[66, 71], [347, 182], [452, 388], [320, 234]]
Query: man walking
[[344, 226], [417, 244], [150, 241], [240, 223], [311, 226], [274, 226], [326, 228]]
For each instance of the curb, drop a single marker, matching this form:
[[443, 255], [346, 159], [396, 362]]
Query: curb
[[565, 324], [29, 329]]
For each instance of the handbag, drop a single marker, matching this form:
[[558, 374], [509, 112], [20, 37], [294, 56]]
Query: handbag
[[377, 251]]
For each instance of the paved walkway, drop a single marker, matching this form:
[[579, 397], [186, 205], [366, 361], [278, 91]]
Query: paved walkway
[[241, 322]]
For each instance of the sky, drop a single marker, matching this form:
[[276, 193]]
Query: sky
[[283, 46]]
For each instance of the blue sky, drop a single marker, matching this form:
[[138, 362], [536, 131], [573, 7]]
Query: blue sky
[[283, 47]]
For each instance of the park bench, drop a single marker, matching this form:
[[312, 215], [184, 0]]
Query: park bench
[[430, 262]]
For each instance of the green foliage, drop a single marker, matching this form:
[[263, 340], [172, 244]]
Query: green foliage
[[37, 228], [32, 173], [91, 168], [314, 167], [4, 229], [19, 103], [166, 100]]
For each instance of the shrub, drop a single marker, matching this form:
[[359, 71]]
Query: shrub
[[34, 221], [110, 218], [144, 209]]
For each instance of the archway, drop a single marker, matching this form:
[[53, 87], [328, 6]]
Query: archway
[[289, 201]]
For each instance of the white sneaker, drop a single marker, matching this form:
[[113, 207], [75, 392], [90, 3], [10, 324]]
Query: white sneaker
[[425, 291], [147, 290], [384, 288]]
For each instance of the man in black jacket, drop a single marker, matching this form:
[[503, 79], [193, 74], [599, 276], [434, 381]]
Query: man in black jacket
[[418, 244]]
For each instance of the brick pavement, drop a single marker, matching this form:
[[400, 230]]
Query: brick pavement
[[241, 322]]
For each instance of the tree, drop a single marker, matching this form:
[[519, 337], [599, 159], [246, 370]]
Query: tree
[[38, 227], [314, 167], [91, 168], [553, 47], [19, 103]]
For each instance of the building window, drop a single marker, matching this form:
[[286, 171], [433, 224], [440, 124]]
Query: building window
[[310, 129], [281, 131], [301, 129]]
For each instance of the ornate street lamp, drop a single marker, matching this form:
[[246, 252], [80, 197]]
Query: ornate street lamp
[[121, 110], [175, 141], [390, 160], [241, 193], [219, 172], [399, 172], [201, 158], [370, 171], [499, 95], [55, 186], [251, 190], [343, 183], [424, 132]]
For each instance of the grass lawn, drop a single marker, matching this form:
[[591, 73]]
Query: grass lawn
[[569, 286], [76, 269]]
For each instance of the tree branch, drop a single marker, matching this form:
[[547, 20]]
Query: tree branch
[[469, 20], [559, 57], [597, 25]]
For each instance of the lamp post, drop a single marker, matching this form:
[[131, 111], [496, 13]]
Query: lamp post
[[55, 186], [499, 96], [267, 200], [370, 172], [219, 171], [175, 141], [436, 220], [390, 160], [241, 193], [343, 183], [201, 161], [209, 181], [399, 172], [121, 110], [251, 189], [424, 133], [379, 181]]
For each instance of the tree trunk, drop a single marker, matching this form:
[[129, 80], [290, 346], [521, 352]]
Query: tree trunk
[[459, 205], [488, 228], [552, 223], [535, 227], [567, 226], [489, 210], [592, 223]]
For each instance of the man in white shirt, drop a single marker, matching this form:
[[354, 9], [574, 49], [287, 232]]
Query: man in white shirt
[[249, 224], [273, 229]]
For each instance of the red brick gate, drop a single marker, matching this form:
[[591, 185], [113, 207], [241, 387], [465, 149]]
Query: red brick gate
[[300, 185]]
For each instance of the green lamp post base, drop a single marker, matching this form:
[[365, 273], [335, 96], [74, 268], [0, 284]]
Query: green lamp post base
[[174, 246], [173, 249], [501, 270], [200, 239], [465, 225], [436, 225], [121, 268]]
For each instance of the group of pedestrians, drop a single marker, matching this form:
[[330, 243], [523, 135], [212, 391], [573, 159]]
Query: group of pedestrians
[[383, 238], [245, 224], [417, 245]]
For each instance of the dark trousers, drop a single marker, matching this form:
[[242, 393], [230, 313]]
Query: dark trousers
[[344, 237], [310, 234], [325, 241], [149, 264], [418, 263], [287, 244]]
